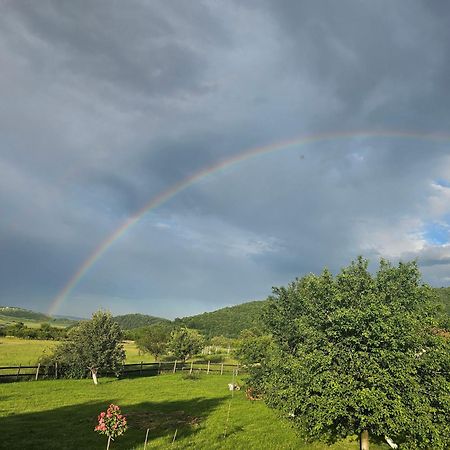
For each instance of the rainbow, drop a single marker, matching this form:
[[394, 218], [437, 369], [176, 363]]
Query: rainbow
[[183, 184]]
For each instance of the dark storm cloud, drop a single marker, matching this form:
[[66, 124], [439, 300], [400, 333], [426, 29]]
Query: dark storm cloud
[[381, 57], [127, 46], [107, 104]]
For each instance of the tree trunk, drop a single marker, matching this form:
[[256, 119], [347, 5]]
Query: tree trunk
[[364, 440], [94, 375]]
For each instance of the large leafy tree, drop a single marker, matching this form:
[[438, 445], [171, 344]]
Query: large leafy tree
[[94, 345], [154, 339], [360, 354], [185, 342]]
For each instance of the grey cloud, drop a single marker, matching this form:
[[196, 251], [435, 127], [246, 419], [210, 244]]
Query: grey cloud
[[105, 105], [134, 47]]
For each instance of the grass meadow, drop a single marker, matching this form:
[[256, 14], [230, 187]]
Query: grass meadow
[[61, 414], [14, 351]]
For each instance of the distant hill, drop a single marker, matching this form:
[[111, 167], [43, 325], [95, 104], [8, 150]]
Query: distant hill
[[21, 313], [229, 321], [131, 321], [13, 314], [73, 318]]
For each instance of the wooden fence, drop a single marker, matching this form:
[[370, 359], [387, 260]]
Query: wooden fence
[[40, 372]]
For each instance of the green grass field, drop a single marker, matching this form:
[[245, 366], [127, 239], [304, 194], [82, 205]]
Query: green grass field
[[14, 351], [61, 414]]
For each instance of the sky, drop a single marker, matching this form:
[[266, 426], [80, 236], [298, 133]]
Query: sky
[[106, 105]]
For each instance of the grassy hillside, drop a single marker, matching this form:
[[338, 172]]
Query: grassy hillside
[[228, 321], [131, 321], [12, 311], [9, 315]]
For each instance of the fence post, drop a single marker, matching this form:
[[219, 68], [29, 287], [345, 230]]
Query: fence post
[[56, 370], [37, 371], [159, 368], [175, 366], [237, 370], [221, 369], [192, 363], [18, 372], [140, 370], [209, 362]]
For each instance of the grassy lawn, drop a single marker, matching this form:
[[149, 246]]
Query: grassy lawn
[[61, 414]]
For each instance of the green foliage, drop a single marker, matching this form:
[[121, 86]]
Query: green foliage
[[131, 321], [444, 295], [154, 339], [228, 322], [45, 331], [253, 351], [360, 352], [94, 344], [185, 342]]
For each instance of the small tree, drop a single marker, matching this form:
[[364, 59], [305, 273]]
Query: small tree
[[154, 339], [95, 345], [360, 354], [185, 342]]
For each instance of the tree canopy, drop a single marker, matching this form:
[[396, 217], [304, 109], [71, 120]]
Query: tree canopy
[[360, 353], [93, 345], [154, 339], [185, 342]]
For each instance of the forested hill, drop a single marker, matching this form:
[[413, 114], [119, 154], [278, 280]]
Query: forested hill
[[231, 321], [131, 321], [228, 321]]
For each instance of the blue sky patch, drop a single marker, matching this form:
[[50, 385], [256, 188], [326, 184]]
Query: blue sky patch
[[443, 183], [437, 233]]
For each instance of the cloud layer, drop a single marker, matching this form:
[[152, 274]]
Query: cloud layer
[[107, 104]]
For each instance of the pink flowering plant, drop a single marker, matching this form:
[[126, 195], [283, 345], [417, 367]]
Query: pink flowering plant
[[111, 423]]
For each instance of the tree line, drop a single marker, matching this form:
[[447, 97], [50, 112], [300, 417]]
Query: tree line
[[44, 331]]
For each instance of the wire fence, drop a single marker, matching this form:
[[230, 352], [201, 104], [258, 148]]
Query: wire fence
[[141, 369]]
